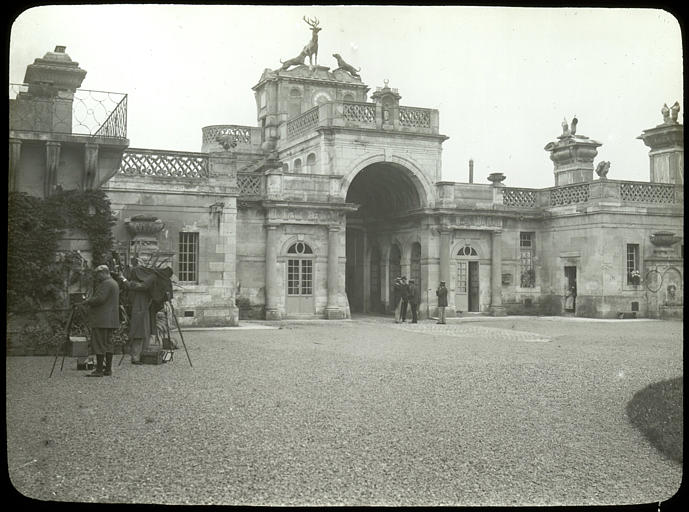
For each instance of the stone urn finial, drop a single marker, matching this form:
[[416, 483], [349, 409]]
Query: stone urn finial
[[664, 239], [144, 230], [496, 178], [144, 225]]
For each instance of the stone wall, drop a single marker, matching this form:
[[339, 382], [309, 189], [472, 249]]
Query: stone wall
[[206, 206]]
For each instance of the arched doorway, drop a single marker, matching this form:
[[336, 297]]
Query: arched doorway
[[299, 300], [467, 291], [385, 192]]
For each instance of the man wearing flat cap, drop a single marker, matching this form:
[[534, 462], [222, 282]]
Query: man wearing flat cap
[[441, 293], [104, 318]]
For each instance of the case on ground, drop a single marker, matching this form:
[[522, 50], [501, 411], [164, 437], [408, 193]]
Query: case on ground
[[156, 356]]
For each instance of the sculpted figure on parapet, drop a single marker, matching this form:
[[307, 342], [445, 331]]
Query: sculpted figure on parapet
[[602, 170], [296, 61], [341, 64], [674, 111], [310, 50]]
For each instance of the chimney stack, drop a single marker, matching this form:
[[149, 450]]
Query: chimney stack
[[471, 170]]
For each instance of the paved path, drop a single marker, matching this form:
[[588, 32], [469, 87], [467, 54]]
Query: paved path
[[362, 412]]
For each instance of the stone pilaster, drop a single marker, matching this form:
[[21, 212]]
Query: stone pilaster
[[15, 154], [271, 288], [90, 166], [496, 307], [445, 256], [333, 311]]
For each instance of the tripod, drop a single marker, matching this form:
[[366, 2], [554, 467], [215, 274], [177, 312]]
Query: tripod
[[65, 344], [167, 304]]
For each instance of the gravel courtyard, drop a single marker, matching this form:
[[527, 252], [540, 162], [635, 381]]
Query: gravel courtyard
[[513, 411]]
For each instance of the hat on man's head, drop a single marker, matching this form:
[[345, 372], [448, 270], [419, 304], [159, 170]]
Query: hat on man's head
[[442, 282], [102, 268], [411, 280]]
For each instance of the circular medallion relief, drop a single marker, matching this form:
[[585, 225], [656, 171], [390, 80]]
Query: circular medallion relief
[[320, 98]]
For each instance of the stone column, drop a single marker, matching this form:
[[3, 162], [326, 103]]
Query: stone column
[[332, 310], [271, 286], [496, 308]]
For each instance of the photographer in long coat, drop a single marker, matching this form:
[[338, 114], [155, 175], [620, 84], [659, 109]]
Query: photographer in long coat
[[104, 318], [139, 288]]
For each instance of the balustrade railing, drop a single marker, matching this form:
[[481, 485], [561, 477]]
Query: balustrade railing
[[519, 197], [412, 117], [235, 133], [657, 193], [94, 113], [249, 184], [359, 112], [303, 124], [164, 164], [569, 194]]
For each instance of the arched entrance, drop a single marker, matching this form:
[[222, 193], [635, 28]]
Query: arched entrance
[[386, 193], [467, 279]]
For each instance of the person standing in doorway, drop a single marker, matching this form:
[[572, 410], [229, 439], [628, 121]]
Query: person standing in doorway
[[441, 293], [104, 319], [413, 299]]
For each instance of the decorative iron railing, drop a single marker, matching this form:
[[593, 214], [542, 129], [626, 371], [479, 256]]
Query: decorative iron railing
[[359, 112], [94, 113], [658, 193], [569, 194], [519, 197], [415, 117], [249, 184], [164, 164], [303, 124], [116, 123], [239, 134]]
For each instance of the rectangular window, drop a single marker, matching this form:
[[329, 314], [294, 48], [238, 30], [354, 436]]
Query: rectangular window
[[633, 274], [526, 252], [188, 257], [299, 277], [462, 277]]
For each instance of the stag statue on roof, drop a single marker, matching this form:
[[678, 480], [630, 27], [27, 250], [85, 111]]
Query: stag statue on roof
[[311, 49]]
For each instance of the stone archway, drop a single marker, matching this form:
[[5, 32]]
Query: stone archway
[[385, 192]]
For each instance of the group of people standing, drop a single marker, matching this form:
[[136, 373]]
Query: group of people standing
[[407, 295], [103, 309]]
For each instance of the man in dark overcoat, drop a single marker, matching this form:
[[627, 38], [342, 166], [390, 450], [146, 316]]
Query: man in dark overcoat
[[139, 287], [441, 293], [413, 299], [404, 294], [104, 319]]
